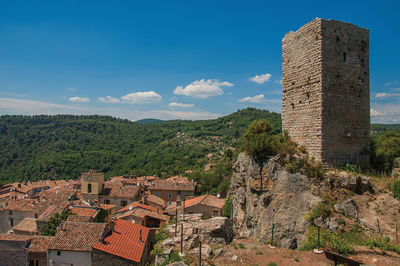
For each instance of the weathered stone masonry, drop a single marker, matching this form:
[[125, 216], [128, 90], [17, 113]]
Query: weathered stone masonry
[[325, 82]]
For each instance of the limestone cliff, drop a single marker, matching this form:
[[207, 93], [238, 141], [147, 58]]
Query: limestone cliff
[[270, 195]]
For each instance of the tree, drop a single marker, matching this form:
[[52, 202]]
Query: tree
[[386, 148], [259, 140]]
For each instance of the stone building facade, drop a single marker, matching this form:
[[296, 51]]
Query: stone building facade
[[325, 82]]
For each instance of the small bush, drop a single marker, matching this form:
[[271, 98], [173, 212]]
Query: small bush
[[173, 257], [259, 253], [323, 209], [272, 264], [394, 187], [241, 246], [296, 259], [383, 244], [228, 207]]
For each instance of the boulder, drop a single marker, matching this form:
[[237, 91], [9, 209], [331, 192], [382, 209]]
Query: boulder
[[333, 225], [216, 229], [348, 208], [168, 242]]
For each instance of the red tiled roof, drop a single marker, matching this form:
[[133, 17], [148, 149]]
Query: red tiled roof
[[27, 225], [14, 237], [91, 212], [125, 241], [75, 218], [77, 236], [208, 200], [40, 243], [107, 206], [137, 205], [155, 199], [117, 190], [161, 184], [143, 212]]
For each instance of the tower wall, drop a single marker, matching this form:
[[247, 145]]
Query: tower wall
[[326, 91]]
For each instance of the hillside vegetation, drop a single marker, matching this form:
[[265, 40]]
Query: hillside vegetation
[[63, 146]]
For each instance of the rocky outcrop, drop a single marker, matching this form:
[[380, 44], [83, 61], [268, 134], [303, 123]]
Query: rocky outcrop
[[357, 183], [348, 208], [266, 195]]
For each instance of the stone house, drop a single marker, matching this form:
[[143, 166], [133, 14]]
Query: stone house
[[208, 205], [128, 244], [114, 192], [143, 215], [13, 249], [28, 226], [37, 250], [155, 201], [172, 190], [73, 242]]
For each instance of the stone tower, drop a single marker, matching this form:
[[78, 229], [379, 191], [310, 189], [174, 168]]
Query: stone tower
[[325, 81], [92, 184]]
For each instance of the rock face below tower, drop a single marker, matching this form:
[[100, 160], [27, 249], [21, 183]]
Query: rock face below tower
[[325, 81], [270, 195]]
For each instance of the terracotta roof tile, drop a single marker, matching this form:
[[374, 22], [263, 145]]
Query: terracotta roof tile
[[125, 241], [117, 190], [40, 244], [82, 211], [107, 206], [161, 184], [155, 199], [77, 236], [82, 219], [14, 237], [208, 200], [27, 225], [138, 205], [143, 212]]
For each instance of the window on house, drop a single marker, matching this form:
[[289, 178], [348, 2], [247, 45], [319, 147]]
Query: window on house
[[35, 215], [170, 195], [106, 201], [10, 212], [11, 221], [58, 253], [179, 192], [169, 203], [89, 188], [344, 57], [124, 203], [215, 213], [156, 194]]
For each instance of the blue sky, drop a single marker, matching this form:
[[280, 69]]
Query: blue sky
[[173, 59]]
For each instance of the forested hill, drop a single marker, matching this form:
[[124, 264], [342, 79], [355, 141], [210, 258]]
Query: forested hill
[[63, 146]]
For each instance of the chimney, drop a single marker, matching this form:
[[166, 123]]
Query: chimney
[[140, 236], [19, 185], [112, 226]]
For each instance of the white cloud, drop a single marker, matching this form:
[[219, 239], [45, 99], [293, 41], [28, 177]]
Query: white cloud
[[255, 99], [109, 99], [71, 89], [203, 88], [141, 97], [386, 95], [391, 83], [33, 107], [278, 81], [260, 79], [375, 113], [79, 99], [182, 105], [386, 113]]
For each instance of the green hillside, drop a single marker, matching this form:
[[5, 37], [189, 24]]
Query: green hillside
[[63, 146]]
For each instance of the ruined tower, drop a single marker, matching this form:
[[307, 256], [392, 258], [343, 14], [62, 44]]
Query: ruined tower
[[325, 82]]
